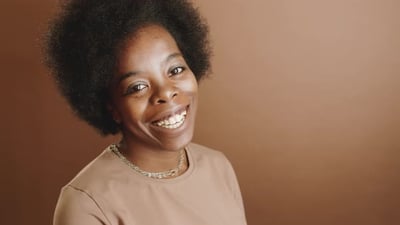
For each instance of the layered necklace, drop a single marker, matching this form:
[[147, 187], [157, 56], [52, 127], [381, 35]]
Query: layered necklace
[[156, 175]]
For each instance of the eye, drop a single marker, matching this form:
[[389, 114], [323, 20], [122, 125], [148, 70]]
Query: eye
[[177, 70], [135, 88]]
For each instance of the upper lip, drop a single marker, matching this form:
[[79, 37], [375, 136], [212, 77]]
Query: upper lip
[[170, 112]]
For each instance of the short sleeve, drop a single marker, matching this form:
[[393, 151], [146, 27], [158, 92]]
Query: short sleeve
[[231, 180], [234, 184], [76, 207]]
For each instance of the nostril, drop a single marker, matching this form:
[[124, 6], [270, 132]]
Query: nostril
[[161, 101], [164, 96]]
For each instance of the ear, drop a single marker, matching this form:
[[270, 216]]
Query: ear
[[115, 114]]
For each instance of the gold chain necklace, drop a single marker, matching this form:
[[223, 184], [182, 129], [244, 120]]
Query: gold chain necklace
[[156, 175]]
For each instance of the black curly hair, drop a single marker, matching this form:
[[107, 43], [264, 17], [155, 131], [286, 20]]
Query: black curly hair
[[82, 43]]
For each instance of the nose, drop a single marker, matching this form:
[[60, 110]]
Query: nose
[[164, 93]]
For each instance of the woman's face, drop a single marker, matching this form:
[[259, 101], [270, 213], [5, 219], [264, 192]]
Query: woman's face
[[154, 92]]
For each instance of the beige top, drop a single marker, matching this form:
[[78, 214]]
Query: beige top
[[107, 191]]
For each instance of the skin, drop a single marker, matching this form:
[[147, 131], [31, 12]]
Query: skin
[[153, 82]]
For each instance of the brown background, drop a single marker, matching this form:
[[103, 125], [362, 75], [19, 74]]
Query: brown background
[[304, 100]]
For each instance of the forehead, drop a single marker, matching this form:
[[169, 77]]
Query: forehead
[[148, 46], [151, 31], [149, 41]]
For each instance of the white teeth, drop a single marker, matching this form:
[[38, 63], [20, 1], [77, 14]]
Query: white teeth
[[173, 122]]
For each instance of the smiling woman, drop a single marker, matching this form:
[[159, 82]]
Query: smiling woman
[[132, 67], [154, 93]]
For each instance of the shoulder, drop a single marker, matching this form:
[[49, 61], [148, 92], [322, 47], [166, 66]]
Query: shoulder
[[211, 157], [200, 151], [103, 169], [213, 164], [75, 206]]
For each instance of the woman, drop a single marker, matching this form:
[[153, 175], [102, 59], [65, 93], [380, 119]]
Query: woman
[[132, 67]]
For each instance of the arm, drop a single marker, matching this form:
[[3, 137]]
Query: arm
[[76, 207]]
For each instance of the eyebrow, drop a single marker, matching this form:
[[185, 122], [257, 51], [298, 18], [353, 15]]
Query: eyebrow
[[133, 73], [126, 75], [173, 55]]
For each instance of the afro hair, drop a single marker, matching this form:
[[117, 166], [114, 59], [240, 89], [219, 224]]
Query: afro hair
[[82, 43]]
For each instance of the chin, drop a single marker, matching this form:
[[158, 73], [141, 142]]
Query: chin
[[173, 138], [177, 144]]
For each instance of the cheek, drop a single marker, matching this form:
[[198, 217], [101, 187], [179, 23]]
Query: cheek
[[133, 111], [190, 86]]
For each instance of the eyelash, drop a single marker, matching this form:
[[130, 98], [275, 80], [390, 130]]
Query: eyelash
[[139, 87], [175, 72], [135, 88]]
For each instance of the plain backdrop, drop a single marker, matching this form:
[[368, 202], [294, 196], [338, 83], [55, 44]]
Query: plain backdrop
[[304, 100]]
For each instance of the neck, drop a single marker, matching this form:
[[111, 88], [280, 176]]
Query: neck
[[152, 159]]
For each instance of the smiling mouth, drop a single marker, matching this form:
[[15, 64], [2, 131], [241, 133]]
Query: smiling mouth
[[173, 121]]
